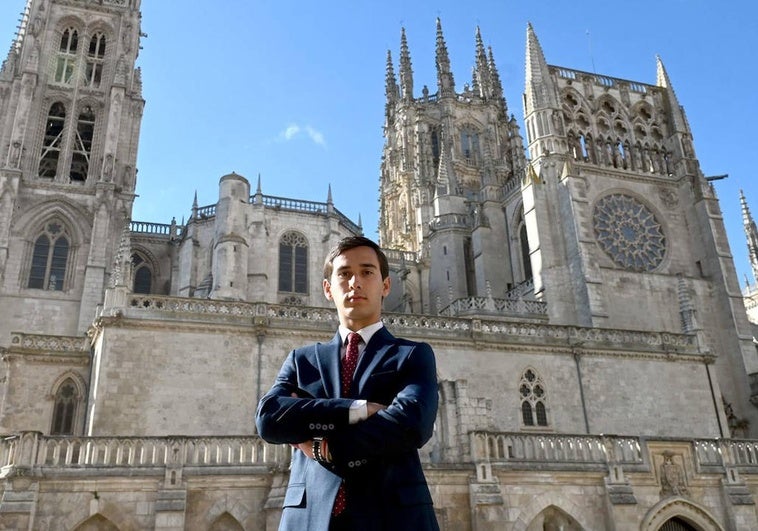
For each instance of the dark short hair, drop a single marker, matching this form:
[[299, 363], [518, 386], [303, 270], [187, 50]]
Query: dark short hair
[[351, 242]]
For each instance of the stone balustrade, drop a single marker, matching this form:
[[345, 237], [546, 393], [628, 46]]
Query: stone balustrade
[[557, 451], [135, 305], [31, 450], [490, 305]]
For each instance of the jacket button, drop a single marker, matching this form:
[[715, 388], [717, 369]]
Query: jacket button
[[351, 464], [331, 426], [312, 426], [318, 426]]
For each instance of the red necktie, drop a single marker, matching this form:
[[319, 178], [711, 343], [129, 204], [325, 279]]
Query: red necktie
[[349, 363]]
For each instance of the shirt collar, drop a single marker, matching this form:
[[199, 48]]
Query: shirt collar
[[366, 333]]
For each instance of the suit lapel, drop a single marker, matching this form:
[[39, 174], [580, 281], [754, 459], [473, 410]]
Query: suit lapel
[[377, 346], [328, 356]]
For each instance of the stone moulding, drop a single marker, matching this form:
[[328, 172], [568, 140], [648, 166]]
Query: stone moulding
[[48, 344], [497, 332]]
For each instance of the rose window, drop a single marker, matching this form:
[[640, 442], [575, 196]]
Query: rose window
[[629, 233]]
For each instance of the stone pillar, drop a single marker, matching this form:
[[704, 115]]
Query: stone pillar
[[488, 511]]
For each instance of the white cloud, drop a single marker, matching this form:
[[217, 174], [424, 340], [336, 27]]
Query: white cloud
[[293, 130]]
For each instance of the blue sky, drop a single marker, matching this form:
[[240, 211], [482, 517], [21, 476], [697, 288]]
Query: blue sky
[[294, 91]]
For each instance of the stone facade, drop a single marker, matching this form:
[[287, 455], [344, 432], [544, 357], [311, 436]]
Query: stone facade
[[595, 361]]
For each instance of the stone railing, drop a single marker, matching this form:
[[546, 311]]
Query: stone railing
[[448, 221], [499, 330], [31, 450], [396, 255], [33, 453], [161, 229], [544, 451], [727, 452], [603, 81], [211, 307], [492, 306], [560, 450], [292, 205]]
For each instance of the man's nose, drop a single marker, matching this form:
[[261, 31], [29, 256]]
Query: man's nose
[[354, 281]]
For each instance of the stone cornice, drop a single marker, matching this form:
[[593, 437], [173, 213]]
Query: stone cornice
[[161, 311]]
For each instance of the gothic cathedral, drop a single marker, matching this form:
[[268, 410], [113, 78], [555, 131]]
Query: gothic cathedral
[[595, 361]]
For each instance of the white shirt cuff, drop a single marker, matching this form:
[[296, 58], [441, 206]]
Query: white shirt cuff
[[358, 412]]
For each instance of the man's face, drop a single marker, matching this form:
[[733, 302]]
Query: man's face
[[356, 287]]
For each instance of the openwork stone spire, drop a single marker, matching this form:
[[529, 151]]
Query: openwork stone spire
[[445, 81], [406, 70], [390, 83]]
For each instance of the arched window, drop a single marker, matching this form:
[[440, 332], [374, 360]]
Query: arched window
[[95, 57], [65, 66], [533, 397], [436, 135], [65, 409], [85, 128], [470, 145], [526, 260], [51, 144], [293, 263], [50, 258], [143, 275]]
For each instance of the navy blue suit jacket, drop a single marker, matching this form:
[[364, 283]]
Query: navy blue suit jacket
[[378, 457]]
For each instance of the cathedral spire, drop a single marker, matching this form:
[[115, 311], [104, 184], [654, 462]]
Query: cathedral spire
[[540, 92], [497, 86], [751, 233], [482, 74], [390, 84], [445, 82], [406, 70], [677, 114]]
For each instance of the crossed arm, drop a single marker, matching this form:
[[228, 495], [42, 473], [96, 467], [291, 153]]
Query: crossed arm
[[289, 414]]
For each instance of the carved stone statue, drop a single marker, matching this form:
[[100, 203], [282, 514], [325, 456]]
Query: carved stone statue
[[672, 477]]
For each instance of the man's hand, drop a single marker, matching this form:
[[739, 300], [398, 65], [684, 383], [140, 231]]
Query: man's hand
[[306, 447], [373, 407]]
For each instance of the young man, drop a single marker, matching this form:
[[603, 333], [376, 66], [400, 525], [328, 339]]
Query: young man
[[356, 409]]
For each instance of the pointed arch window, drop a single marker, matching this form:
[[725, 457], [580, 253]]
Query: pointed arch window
[[65, 65], [533, 396], [50, 258], [293, 263], [52, 141], [470, 145], [523, 240], [436, 145], [94, 62], [143, 275], [80, 156], [65, 409]]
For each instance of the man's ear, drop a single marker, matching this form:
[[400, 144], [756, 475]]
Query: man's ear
[[387, 286], [327, 290]]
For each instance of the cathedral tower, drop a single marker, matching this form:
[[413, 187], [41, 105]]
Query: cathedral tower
[[621, 220], [70, 112], [451, 166]]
